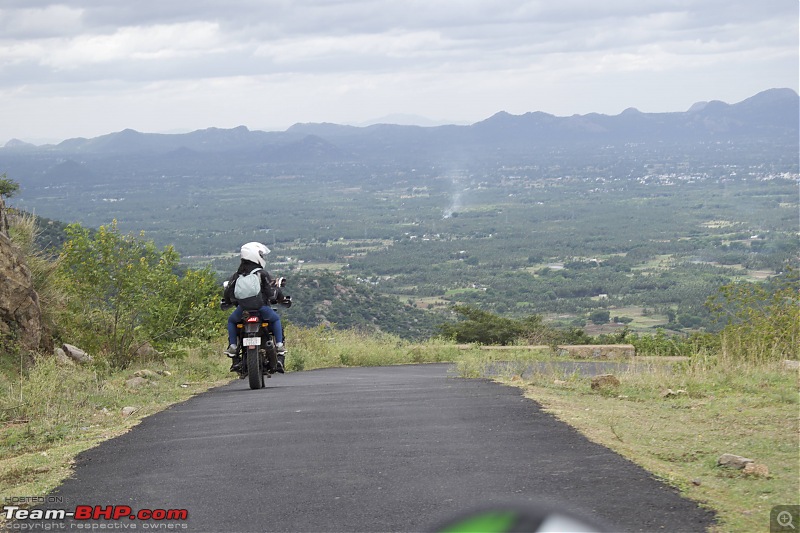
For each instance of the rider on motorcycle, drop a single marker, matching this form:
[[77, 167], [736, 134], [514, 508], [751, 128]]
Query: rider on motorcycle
[[253, 256]]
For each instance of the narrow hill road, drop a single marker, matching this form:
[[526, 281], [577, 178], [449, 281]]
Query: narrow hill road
[[363, 449]]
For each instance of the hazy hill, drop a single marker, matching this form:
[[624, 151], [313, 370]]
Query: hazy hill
[[767, 116]]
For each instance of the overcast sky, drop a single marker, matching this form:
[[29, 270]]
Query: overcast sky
[[90, 67]]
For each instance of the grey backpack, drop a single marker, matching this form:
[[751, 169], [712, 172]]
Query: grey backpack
[[247, 290]]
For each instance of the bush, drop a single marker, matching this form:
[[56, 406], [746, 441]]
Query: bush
[[600, 316], [483, 327], [124, 292], [8, 187], [762, 321]]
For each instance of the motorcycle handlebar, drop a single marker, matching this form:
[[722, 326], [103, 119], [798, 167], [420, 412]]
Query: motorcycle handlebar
[[286, 302]]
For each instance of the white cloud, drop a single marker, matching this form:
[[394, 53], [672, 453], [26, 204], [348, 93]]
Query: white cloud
[[135, 43], [85, 67]]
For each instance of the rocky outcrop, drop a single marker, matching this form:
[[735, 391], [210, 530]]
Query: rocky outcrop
[[20, 314], [76, 354], [3, 218], [733, 461], [605, 381]]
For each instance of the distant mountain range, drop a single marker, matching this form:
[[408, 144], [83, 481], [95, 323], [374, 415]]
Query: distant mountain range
[[770, 116]]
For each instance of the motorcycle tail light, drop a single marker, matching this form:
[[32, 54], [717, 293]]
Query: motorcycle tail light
[[253, 319]]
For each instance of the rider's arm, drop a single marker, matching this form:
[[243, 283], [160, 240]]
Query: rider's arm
[[267, 287], [227, 295]]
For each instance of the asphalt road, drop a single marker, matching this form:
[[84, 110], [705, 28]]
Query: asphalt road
[[363, 449]]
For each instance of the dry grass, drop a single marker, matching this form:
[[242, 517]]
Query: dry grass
[[714, 409], [57, 411], [325, 348]]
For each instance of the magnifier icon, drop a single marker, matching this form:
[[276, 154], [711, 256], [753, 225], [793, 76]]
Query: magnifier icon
[[784, 519]]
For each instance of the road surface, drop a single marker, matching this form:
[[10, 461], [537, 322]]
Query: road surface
[[363, 449]]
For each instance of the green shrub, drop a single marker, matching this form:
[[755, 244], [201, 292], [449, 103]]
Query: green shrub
[[123, 291], [482, 327], [762, 320]]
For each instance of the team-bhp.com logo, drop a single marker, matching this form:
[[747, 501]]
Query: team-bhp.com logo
[[95, 512]]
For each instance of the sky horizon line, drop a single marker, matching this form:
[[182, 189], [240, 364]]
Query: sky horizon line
[[377, 120]]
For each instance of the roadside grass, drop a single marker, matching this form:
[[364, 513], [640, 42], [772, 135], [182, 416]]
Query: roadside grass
[[311, 348], [714, 408], [511, 361], [56, 411]]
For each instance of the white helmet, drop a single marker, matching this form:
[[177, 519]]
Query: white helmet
[[255, 252]]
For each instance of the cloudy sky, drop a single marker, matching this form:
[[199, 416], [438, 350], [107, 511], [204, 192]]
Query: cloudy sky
[[89, 67]]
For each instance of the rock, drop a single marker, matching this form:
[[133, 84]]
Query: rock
[[165, 373], [605, 381], [559, 382], [135, 383], [76, 354], [733, 461], [128, 411], [788, 364], [20, 314], [145, 373], [146, 351], [62, 359], [696, 482], [3, 218], [669, 393], [756, 470]]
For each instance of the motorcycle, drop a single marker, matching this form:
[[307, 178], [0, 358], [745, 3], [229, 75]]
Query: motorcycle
[[257, 353]]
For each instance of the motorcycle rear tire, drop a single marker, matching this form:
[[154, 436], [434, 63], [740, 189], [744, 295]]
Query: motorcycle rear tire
[[254, 370]]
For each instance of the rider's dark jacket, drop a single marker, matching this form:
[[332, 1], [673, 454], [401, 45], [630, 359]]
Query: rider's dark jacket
[[268, 292]]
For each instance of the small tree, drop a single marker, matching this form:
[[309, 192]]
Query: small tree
[[600, 316], [125, 291], [487, 328], [8, 187], [762, 320]]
